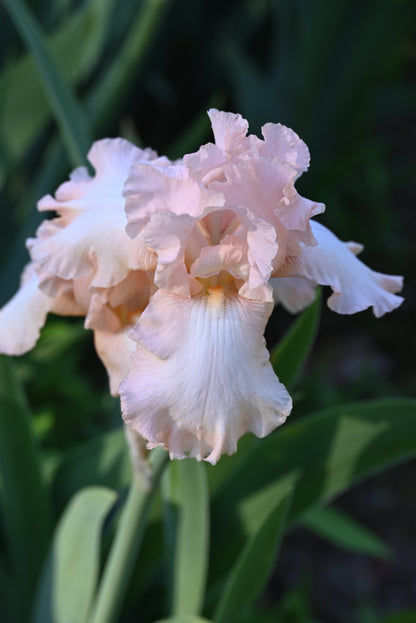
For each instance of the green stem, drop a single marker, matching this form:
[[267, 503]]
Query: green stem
[[126, 545]]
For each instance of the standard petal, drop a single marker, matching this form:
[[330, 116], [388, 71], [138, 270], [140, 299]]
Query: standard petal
[[201, 375], [355, 286], [115, 351], [284, 143], [229, 130], [150, 189], [24, 315]]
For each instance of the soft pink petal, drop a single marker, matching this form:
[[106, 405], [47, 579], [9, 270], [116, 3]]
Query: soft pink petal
[[294, 293], [229, 130], [149, 189], [89, 232], [111, 159], [112, 309], [266, 188], [115, 351], [230, 256], [201, 375], [24, 315], [96, 238], [356, 287], [284, 143]]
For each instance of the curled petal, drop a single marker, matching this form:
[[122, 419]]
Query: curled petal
[[284, 143], [150, 189], [201, 375], [355, 286], [230, 256], [115, 351], [24, 315], [229, 130]]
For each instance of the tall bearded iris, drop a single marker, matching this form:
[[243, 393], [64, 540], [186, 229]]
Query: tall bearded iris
[[186, 273]]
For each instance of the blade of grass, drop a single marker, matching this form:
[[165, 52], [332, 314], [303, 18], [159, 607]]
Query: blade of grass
[[65, 107]]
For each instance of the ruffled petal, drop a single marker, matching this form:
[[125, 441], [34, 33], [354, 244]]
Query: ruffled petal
[[111, 159], [229, 130], [95, 238], [115, 351], [201, 375], [150, 189], [356, 287], [22, 318], [284, 143], [89, 232]]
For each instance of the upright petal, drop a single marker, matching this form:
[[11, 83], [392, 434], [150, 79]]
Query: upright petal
[[150, 189], [201, 375], [229, 130]]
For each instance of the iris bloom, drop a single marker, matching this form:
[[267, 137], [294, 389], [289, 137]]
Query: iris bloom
[[188, 275], [84, 264]]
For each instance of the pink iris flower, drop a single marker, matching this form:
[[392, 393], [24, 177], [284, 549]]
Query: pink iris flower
[[185, 271]]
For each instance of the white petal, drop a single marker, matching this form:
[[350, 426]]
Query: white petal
[[201, 376], [356, 287], [95, 238], [115, 351], [24, 315]]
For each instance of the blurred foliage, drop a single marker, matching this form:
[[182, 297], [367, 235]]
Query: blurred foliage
[[341, 74]]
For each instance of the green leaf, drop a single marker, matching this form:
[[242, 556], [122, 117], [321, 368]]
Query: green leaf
[[325, 453], [290, 354], [71, 573], [102, 461], [25, 506], [339, 529], [68, 113], [252, 568], [126, 544], [187, 508], [23, 117], [109, 94]]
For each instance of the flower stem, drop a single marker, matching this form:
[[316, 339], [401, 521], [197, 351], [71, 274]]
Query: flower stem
[[123, 554]]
